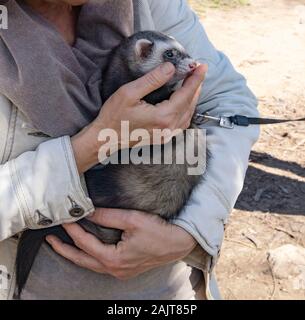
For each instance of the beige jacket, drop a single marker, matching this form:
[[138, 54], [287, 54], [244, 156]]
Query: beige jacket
[[40, 186]]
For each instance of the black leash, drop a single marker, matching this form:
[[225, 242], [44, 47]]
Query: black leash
[[230, 121]]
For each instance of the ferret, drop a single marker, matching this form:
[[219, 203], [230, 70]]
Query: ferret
[[161, 189]]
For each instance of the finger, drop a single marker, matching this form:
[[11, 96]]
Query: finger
[[200, 69], [184, 117], [113, 218], [152, 81], [185, 121], [75, 255], [184, 96], [88, 242], [187, 115]]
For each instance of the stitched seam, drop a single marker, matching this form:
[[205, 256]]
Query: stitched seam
[[76, 183], [15, 188], [10, 135], [68, 162], [202, 241], [27, 218], [7, 138], [220, 195], [75, 180]]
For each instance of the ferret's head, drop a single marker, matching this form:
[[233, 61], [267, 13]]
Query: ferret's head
[[151, 49]]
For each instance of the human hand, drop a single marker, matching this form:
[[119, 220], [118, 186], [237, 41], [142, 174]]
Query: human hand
[[126, 104], [175, 113], [147, 242]]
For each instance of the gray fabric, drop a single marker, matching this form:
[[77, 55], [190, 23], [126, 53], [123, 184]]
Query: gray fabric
[[63, 94], [54, 278], [137, 15]]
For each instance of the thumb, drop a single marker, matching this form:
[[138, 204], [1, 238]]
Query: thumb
[[152, 81]]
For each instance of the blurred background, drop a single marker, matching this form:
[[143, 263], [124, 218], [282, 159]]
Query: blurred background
[[263, 256]]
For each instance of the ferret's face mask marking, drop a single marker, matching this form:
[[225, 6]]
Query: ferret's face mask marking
[[151, 54]]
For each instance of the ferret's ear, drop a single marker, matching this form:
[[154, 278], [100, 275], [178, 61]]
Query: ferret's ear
[[143, 48]]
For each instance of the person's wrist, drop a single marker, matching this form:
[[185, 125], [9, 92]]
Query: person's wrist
[[185, 241], [86, 147]]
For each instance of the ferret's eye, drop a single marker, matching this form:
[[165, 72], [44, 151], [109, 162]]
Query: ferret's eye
[[169, 54]]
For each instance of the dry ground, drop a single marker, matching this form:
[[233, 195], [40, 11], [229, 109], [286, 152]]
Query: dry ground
[[266, 42]]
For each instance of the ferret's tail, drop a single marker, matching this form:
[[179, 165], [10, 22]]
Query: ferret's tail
[[28, 247]]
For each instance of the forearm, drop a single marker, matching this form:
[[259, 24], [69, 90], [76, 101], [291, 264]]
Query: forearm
[[41, 189]]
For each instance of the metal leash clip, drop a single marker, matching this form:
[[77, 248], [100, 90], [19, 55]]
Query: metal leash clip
[[223, 121]]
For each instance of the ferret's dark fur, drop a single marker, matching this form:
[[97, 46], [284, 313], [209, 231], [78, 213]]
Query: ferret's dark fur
[[157, 189]]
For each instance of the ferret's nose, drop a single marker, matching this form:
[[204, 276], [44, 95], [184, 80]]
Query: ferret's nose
[[193, 65]]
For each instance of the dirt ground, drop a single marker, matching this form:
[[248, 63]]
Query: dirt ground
[[265, 40]]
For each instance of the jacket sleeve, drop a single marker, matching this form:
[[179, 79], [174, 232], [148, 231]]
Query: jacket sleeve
[[225, 92], [41, 188]]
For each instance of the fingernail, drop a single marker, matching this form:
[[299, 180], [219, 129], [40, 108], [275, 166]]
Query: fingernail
[[167, 68]]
